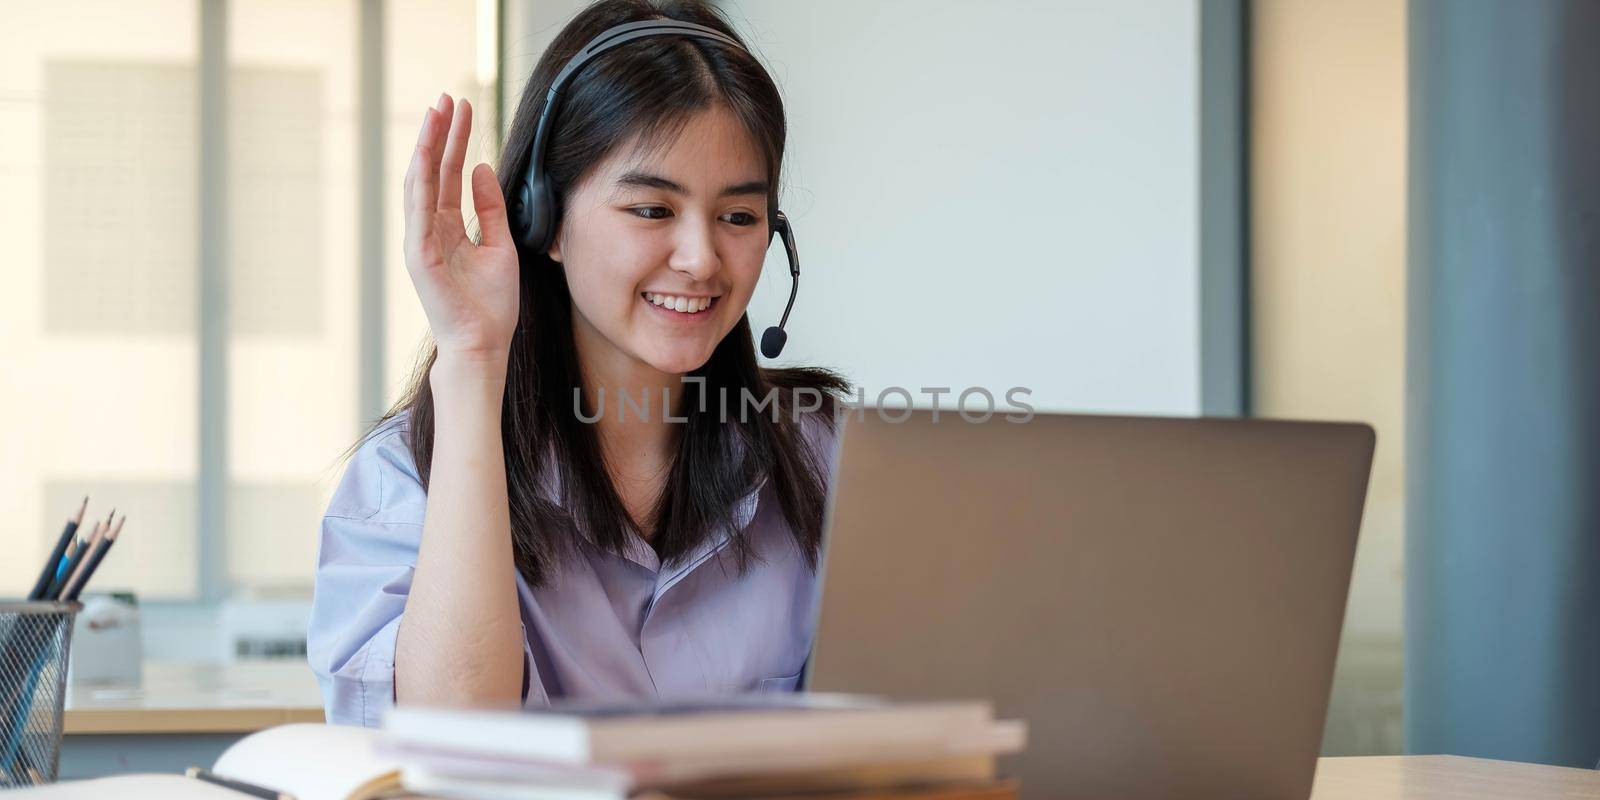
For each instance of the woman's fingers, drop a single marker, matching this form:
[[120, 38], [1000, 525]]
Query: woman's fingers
[[419, 211], [426, 186], [433, 185], [433, 150], [455, 156], [491, 207]]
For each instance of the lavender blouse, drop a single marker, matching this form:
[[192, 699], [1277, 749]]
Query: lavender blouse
[[604, 626]]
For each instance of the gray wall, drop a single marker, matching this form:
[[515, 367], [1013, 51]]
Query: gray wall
[[974, 198], [992, 195]]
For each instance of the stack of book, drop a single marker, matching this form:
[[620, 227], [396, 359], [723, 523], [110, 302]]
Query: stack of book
[[746, 746], [752, 747]]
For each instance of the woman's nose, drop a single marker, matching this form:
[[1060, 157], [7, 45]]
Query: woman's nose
[[695, 253]]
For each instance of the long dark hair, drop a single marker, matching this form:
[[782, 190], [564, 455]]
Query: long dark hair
[[648, 88]]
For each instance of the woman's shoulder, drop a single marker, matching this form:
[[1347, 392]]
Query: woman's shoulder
[[381, 482], [820, 428], [812, 397]]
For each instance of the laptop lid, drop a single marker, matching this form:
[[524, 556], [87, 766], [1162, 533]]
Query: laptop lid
[[1160, 598]]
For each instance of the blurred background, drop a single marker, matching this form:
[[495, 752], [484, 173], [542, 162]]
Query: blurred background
[[1280, 208]]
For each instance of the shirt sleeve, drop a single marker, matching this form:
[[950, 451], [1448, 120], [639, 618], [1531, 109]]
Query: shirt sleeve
[[366, 557], [823, 436]]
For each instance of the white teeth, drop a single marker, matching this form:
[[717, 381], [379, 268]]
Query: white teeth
[[687, 305]]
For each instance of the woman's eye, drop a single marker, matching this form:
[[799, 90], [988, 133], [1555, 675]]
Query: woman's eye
[[740, 218], [648, 212]]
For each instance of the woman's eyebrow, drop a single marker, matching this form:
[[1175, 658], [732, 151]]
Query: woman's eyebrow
[[644, 180]]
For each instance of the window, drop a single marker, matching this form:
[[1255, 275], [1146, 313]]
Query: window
[[103, 132]]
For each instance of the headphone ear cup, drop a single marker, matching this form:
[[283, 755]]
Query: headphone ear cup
[[518, 215], [541, 215]]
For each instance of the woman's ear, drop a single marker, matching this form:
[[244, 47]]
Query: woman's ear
[[555, 247]]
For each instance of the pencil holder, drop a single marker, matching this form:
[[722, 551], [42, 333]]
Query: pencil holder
[[34, 642]]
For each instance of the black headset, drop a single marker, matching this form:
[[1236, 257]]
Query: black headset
[[533, 212]]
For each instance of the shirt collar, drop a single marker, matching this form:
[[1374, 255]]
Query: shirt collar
[[636, 549]]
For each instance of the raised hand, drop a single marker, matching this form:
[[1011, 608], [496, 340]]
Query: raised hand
[[469, 291]]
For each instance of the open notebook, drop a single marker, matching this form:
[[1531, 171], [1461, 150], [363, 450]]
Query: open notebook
[[308, 761]]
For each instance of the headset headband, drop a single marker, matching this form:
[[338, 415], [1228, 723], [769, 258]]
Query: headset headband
[[613, 37]]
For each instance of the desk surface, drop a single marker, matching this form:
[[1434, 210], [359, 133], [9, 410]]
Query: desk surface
[[247, 697], [1453, 777], [197, 698]]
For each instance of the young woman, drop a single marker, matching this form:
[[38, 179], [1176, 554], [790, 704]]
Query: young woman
[[568, 502]]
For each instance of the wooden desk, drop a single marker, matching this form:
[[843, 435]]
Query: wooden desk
[[189, 713], [1453, 777], [197, 698], [181, 715]]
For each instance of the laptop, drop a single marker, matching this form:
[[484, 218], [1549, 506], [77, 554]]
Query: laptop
[[1160, 598]]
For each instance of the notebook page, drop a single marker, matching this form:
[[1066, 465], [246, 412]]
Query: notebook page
[[312, 762]]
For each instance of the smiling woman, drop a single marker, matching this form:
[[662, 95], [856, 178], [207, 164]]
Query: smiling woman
[[683, 545]]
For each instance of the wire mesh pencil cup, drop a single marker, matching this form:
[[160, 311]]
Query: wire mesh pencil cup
[[34, 642]]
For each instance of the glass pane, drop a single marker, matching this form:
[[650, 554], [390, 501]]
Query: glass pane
[[98, 136], [294, 261]]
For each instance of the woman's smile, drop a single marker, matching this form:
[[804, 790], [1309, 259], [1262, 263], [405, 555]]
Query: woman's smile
[[678, 308]]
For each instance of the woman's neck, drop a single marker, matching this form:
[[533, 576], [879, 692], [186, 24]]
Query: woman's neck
[[638, 399]]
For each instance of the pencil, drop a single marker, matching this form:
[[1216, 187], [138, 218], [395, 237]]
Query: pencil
[[48, 573], [83, 553], [237, 785], [53, 591], [95, 558], [76, 569]]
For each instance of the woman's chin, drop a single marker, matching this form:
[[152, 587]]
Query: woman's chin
[[678, 361]]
